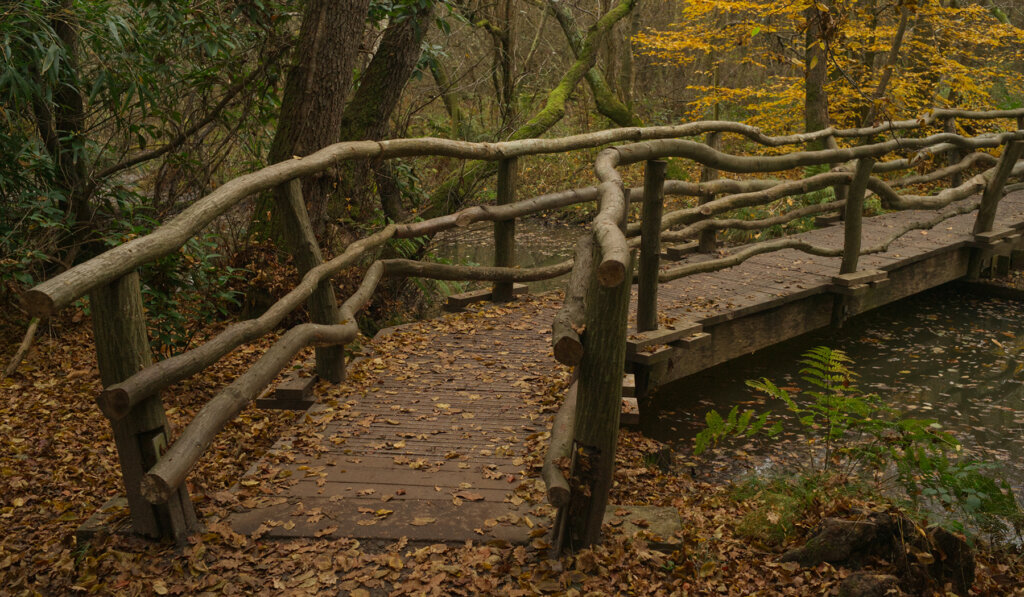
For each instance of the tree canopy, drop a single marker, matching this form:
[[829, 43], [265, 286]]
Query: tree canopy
[[953, 53]]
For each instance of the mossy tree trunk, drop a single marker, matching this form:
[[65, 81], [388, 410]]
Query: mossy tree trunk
[[607, 101], [450, 195]]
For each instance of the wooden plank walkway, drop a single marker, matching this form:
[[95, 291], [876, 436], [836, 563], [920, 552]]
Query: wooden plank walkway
[[791, 291], [434, 435], [428, 440]]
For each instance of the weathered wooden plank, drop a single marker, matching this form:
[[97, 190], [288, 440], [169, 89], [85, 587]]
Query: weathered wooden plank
[[678, 251], [858, 278], [665, 335], [457, 302]]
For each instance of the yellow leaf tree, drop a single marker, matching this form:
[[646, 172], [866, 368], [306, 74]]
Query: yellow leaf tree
[[802, 65]]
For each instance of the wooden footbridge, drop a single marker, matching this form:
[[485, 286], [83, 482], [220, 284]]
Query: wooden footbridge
[[433, 436]]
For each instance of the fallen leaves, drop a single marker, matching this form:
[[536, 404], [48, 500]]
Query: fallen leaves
[[45, 483]]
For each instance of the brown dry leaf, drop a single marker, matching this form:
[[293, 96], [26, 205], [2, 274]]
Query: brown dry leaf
[[420, 521], [469, 496]]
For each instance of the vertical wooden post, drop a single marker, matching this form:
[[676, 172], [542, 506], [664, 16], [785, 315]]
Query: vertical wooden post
[[650, 245], [122, 349], [990, 202], [853, 216], [953, 155], [302, 243], [505, 230], [598, 405], [994, 189], [842, 192], [708, 242]]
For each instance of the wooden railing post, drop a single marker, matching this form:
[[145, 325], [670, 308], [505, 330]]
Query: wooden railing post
[[990, 202], [842, 192], [505, 230], [953, 156], [598, 405], [650, 245], [853, 216], [302, 243], [122, 348], [708, 242]]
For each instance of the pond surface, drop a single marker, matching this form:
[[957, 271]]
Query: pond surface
[[538, 244], [945, 354]]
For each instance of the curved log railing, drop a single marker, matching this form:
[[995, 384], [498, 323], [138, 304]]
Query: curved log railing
[[588, 332]]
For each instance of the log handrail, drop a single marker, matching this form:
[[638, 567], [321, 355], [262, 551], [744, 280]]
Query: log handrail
[[58, 292]]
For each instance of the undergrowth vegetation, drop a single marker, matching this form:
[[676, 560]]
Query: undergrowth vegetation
[[859, 446]]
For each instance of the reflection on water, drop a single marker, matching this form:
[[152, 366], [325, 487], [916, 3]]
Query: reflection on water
[[939, 355], [537, 244]]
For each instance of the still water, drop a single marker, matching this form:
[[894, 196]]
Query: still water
[[537, 244], [946, 354]]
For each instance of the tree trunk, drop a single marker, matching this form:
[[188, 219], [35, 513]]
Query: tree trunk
[[452, 100], [608, 103], [66, 141], [452, 193], [815, 74], [367, 115], [315, 89], [890, 65]]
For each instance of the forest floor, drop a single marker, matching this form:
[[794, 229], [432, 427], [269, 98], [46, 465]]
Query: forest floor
[[58, 467]]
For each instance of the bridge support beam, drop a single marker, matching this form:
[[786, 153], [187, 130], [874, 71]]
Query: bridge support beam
[[122, 349]]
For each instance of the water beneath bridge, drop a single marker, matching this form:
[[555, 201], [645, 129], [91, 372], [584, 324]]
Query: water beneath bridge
[[945, 354], [538, 244]]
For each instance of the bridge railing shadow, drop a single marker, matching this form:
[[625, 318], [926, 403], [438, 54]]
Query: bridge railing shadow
[[589, 331]]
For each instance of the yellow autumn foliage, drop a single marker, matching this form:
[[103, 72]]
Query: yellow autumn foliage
[[951, 56]]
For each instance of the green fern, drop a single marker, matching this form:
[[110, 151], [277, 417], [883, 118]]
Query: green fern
[[860, 433]]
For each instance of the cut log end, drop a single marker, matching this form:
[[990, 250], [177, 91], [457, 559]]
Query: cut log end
[[558, 496], [569, 351], [38, 304], [155, 489], [611, 272], [115, 403]]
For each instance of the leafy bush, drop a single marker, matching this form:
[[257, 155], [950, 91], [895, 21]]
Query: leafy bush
[[186, 292]]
